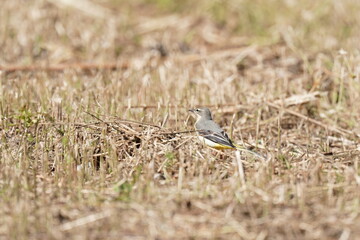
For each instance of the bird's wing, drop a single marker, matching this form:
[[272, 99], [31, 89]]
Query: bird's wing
[[218, 137]]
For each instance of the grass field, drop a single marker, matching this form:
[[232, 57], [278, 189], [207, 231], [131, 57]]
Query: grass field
[[97, 141]]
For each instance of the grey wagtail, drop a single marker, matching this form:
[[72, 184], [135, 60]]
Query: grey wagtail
[[211, 134]]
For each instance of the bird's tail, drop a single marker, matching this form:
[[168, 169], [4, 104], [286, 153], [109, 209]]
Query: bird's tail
[[243, 149]]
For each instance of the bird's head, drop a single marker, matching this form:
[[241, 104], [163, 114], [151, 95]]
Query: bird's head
[[201, 113]]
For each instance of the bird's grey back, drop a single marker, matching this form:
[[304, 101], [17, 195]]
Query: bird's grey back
[[204, 124]]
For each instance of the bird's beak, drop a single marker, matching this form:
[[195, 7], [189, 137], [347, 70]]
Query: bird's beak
[[192, 110]]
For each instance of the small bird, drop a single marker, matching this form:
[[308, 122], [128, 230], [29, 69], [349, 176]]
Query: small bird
[[211, 134]]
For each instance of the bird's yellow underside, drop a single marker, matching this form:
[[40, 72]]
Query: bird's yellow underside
[[213, 144]]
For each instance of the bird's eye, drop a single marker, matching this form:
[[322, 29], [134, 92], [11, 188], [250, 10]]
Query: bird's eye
[[198, 110]]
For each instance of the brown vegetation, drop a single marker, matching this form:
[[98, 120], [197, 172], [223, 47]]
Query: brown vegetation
[[97, 143]]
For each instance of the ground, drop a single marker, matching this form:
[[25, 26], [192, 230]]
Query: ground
[[97, 141]]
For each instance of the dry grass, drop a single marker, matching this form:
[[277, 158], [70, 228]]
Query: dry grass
[[97, 143]]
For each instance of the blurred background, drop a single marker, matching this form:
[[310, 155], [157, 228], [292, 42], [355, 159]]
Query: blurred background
[[107, 30]]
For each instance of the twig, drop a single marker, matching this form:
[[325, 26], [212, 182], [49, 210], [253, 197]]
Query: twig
[[85, 6], [84, 220], [62, 67], [131, 131], [240, 168], [330, 128], [112, 126], [187, 107], [137, 123], [179, 145], [180, 132], [71, 123], [300, 99]]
